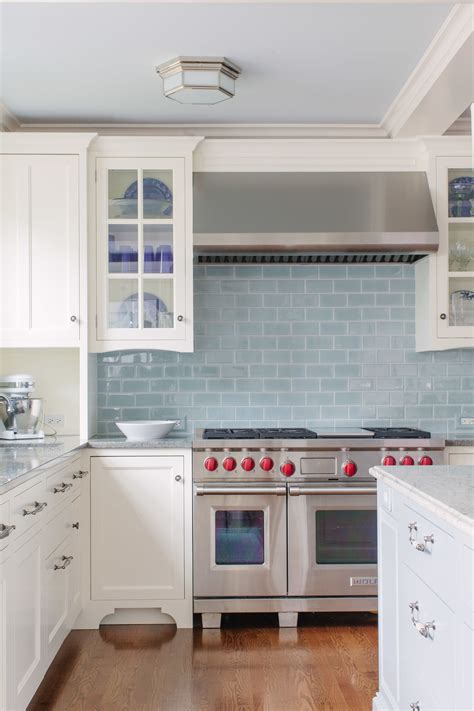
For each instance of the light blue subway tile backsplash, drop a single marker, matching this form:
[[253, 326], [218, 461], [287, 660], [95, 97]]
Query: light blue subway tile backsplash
[[303, 345]]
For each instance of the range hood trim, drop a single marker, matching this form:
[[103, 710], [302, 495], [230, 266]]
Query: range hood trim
[[327, 242]]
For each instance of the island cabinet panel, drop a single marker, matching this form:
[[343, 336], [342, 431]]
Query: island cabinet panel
[[137, 528]]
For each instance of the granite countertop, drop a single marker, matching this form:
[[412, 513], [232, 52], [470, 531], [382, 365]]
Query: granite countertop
[[446, 490], [119, 442], [19, 460]]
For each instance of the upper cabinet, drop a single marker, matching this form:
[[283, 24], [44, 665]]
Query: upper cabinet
[[445, 281], [143, 244], [39, 304]]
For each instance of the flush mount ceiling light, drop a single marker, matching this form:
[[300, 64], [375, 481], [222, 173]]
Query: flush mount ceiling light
[[198, 80]]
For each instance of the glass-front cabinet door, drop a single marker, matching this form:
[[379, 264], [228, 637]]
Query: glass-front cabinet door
[[455, 213], [141, 249]]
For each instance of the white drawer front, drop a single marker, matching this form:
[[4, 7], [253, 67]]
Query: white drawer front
[[429, 551], [63, 482], [427, 661], [6, 530], [28, 507]]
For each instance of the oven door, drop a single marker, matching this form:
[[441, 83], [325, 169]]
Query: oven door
[[332, 540], [239, 540]]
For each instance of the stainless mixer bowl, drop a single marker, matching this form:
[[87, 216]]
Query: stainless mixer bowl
[[26, 417]]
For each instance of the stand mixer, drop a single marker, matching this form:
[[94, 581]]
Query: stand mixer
[[21, 416]]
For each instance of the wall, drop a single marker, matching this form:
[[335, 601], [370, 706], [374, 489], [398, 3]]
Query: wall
[[56, 371], [308, 345]]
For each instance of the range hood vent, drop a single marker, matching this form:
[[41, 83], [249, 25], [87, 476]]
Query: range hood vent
[[296, 259], [331, 213]]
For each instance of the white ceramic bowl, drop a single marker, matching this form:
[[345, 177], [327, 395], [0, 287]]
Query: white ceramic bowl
[[143, 430]]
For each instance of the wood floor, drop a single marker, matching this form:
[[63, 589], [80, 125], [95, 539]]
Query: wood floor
[[328, 663]]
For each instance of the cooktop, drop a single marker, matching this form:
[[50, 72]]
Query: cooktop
[[302, 433]]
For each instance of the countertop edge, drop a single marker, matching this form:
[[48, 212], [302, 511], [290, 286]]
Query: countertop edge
[[436, 506]]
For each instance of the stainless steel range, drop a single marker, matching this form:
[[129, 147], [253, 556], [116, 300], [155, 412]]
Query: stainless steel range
[[285, 519]]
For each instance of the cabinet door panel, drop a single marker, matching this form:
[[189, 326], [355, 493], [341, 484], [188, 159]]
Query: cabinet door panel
[[137, 528], [56, 586], [40, 250]]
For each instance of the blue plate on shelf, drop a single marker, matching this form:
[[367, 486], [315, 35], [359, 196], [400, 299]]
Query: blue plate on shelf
[[155, 193]]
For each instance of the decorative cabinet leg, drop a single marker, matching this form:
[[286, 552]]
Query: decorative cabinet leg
[[288, 619], [211, 620]]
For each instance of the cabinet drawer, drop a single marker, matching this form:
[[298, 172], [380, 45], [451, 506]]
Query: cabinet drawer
[[6, 532], [62, 483], [28, 507], [427, 663], [429, 551]]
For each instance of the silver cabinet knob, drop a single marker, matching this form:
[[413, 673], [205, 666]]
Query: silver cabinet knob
[[74, 319], [6, 530], [177, 477], [442, 317], [415, 706], [76, 525], [180, 318]]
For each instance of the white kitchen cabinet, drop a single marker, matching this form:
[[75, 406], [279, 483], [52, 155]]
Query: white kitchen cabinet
[[39, 303], [426, 609], [460, 455], [75, 523], [3, 636], [143, 244], [137, 528], [445, 281]]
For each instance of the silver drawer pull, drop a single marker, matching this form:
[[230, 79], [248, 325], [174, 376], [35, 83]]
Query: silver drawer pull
[[413, 528], [424, 628], [66, 561], [37, 507], [76, 525], [415, 706], [336, 490], [62, 488], [80, 474], [5, 530]]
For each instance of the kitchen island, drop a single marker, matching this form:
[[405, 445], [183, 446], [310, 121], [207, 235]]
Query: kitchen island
[[426, 608]]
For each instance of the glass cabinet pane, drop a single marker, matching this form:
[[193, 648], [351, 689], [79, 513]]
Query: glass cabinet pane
[[123, 194], [157, 194], [461, 301], [346, 536], [158, 249], [239, 537], [461, 192], [158, 306], [461, 247], [123, 303], [123, 249]]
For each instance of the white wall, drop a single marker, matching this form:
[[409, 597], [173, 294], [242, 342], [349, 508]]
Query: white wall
[[56, 371]]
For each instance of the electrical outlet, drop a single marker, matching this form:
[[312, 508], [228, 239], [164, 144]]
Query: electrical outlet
[[466, 421], [54, 420]]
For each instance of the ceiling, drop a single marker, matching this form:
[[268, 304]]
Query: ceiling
[[301, 63]]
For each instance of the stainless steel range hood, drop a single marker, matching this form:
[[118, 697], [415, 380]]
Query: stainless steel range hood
[[314, 212]]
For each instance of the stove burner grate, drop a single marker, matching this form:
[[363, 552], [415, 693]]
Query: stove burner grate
[[260, 433]]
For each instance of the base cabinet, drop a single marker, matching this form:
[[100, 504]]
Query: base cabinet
[[137, 528], [426, 609]]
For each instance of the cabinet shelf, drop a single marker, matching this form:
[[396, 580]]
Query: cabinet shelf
[[463, 275], [461, 220]]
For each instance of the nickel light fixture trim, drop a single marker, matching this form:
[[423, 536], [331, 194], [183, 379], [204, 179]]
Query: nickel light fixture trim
[[199, 80]]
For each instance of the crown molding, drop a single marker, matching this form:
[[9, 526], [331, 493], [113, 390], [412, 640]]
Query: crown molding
[[24, 142], [446, 44], [234, 130], [8, 121], [461, 127]]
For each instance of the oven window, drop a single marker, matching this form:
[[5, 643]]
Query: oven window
[[346, 536], [240, 537]]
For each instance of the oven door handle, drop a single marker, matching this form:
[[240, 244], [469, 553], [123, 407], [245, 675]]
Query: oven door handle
[[312, 490], [213, 490]]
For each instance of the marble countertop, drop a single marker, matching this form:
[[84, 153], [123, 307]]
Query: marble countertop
[[446, 490]]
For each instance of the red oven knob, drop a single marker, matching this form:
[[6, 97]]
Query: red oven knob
[[288, 468], [349, 468], [229, 464], [407, 461], [211, 464], [425, 461], [389, 461], [247, 464], [266, 463]]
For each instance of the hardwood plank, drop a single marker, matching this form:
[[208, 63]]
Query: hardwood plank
[[329, 663]]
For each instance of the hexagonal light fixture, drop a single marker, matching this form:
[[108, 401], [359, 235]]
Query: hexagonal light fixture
[[198, 80]]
